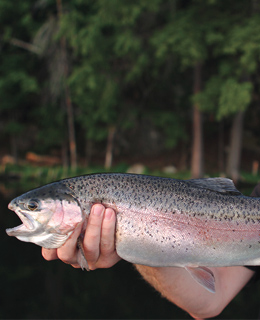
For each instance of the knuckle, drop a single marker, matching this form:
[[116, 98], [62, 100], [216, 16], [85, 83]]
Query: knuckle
[[62, 255], [94, 222], [91, 255], [106, 247], [92, 244]]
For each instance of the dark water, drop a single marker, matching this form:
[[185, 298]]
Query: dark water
[[33, 288]]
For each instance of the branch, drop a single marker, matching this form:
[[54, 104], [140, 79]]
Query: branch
[[25, 45]]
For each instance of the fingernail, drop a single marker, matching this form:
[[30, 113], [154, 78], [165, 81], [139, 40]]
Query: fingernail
[[108, 214], [98, 210]]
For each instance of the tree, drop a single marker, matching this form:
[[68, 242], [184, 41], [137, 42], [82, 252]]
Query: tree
[[114, 59], [53, 52], [117, 65], [244, 44], [18, 83], [67, 97], [184, 37], [228, 92], [197, 162]]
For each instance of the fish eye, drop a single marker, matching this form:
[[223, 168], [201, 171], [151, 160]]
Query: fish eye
[[33, 205]]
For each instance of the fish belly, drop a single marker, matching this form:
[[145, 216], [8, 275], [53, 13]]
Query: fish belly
[[152, 239], [161, 240]]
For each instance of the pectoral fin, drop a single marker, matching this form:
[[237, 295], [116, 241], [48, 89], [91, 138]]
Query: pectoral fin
[[82, 261], [203, 276]]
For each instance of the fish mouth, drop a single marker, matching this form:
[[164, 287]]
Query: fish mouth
[[28, 223]]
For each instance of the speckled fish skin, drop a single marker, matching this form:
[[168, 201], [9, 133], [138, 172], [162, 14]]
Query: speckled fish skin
[[167, 222]]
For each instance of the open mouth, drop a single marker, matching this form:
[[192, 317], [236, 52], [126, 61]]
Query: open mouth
[[27, 222]]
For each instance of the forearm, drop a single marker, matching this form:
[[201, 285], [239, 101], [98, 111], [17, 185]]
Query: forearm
[[176, 285]]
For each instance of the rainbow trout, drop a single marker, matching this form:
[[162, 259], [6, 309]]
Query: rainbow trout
[[161, 222]]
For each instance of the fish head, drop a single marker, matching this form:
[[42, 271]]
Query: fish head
[[49, 214]]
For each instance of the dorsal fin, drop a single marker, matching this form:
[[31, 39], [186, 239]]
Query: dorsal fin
[[221, 185]]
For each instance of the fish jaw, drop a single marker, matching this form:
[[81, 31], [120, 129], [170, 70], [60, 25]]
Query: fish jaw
[[28, 225], [45, 239]]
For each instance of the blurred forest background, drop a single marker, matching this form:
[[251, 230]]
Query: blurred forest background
[[159, 82], [89, 85]]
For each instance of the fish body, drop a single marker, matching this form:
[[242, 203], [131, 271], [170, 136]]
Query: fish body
[[160, 221]]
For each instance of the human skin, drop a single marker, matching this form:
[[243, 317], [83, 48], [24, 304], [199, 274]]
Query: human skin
[[173, 283]]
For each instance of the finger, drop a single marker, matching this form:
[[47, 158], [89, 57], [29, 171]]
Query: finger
[[49, 254], [107, 245], [91, 241], [68, 252], [108, 255]]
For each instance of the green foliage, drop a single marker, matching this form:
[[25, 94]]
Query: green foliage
[[181, 39], [18, 84], [127, 60], [171, 125], [52, 131], [243, 41], [15, 86], [113, 55], [16, 81], [13, 127], [237, 49], [224, 97], [234, 97], [207, 100]]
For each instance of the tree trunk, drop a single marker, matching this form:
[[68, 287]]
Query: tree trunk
[[235, 148], [89, 151], [109, 151], [71, 129], [221, 147], [68, 104], [197, 162], [64, 152]]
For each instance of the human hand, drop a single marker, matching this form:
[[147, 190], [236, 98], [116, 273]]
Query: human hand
[[98, 243]]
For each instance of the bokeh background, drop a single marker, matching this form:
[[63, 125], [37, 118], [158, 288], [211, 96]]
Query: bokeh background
[[161, 87]]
